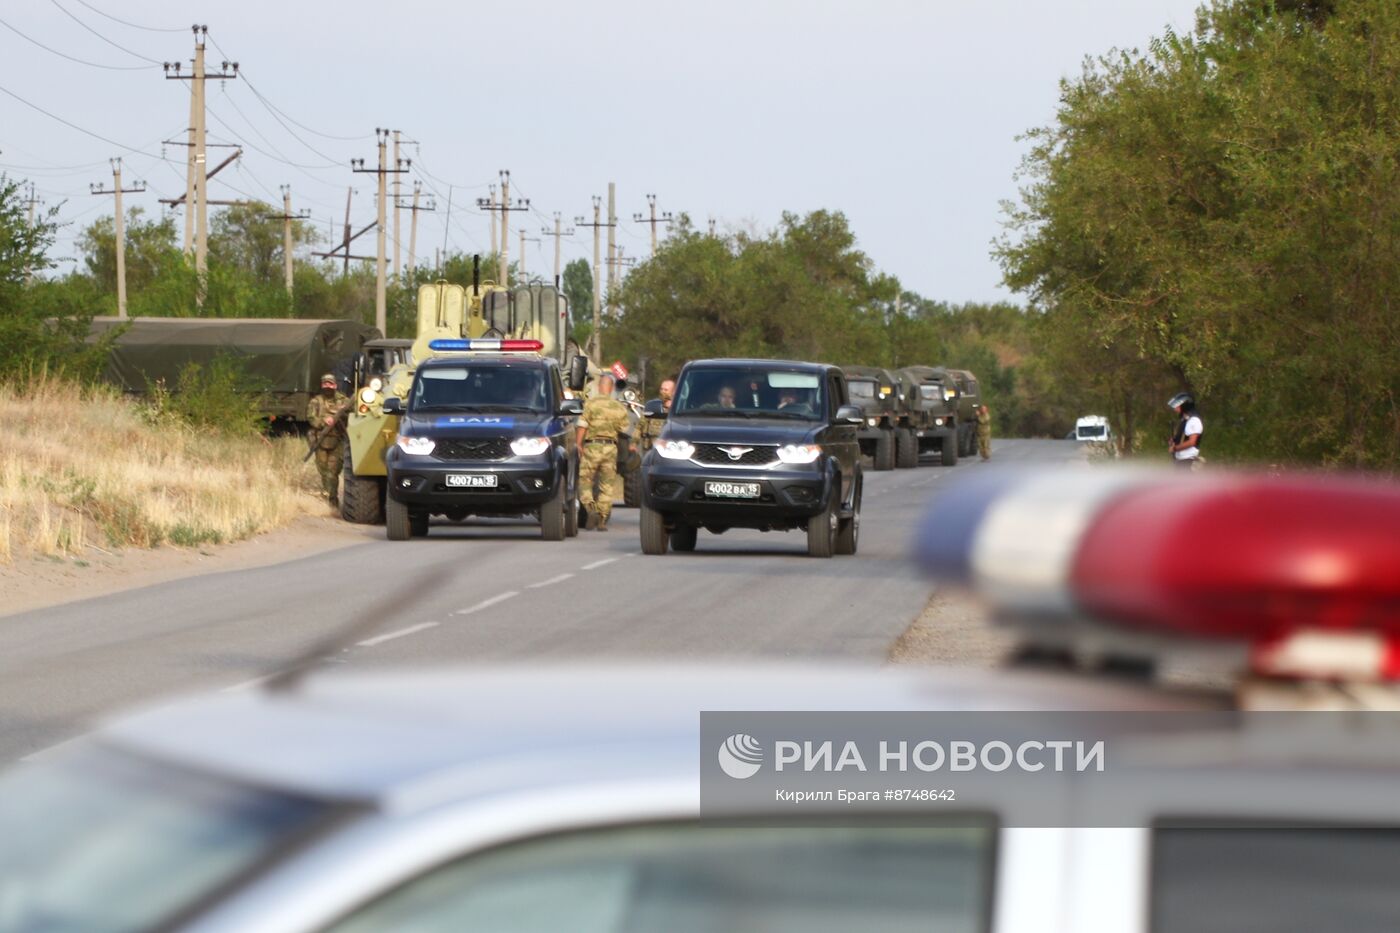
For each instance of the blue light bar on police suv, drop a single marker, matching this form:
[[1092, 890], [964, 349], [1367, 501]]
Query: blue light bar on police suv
[[478, 344]]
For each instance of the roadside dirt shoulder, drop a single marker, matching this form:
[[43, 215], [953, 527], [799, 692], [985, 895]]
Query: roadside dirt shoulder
[[952, 629], [40, 582]]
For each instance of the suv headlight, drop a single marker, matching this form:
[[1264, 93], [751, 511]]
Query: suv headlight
[[417, 446], [529, 446], [799, 453], [674, 450]]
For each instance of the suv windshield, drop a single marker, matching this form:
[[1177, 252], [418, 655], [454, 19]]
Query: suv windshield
[[96, 841], [481, 387], [750, 391]]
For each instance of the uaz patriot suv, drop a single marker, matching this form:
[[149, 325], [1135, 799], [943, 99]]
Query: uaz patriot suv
[[484, 433], [762, 444]]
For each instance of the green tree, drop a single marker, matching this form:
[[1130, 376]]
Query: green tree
[[577, 286]]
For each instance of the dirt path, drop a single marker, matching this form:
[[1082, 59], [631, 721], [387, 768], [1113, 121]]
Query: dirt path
[[953, 629], [39, 582]]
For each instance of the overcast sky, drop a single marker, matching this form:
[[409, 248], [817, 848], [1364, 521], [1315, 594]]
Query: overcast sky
[[901, 113]]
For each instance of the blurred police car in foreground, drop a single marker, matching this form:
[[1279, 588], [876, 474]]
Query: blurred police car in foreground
[[517, 801]]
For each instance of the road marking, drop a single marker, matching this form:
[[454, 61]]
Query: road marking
[[600, 563], [551, 581], [487, 603], [248, 684], [390, 636]]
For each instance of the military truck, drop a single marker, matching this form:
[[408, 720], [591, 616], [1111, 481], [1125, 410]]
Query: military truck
[[969, 400], [931, 395], [284, 357], [446, 311], [876, 392]]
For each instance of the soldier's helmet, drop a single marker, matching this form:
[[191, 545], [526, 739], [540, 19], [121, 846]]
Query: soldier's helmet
[[1182, 400]]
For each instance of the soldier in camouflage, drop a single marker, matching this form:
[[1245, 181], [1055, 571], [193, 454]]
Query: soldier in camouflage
[[650, 428], [984, 432], [325, 414], [601, 426]]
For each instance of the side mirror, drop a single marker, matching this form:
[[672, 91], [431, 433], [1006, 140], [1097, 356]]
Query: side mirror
[[850, 414], [571, 406], [655, 408], [393, 405], [578, 373]]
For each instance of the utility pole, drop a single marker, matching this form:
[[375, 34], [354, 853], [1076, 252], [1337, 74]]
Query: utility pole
[[597, 225], [558, 233], [413, 210], [505, 208], [197, 179], [491, 213], [287, 218], [446, 227], [349, 193], [664, 218], [30, 203], [119, 223], [712, 226], [381, 301], [397, 201], [525, 279], [612, 235]]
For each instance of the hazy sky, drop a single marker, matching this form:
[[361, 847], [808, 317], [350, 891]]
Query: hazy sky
[[902, 114]]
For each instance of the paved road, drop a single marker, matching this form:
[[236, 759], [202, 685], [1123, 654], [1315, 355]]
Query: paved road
[[506, 596]]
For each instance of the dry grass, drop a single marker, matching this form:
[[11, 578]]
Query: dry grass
[[85, 467]]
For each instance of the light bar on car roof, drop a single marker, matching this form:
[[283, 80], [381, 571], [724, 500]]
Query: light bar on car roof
[[451, 345]]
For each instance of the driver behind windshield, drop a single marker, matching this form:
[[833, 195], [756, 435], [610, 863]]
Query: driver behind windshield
[[725, 399]]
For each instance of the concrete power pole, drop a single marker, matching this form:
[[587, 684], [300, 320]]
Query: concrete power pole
[[504, 208], [413, 210], [612, 235], [119, 225], [197, 175], [383, 171], [596, 339], [524, 278], [491, 213], [654, 219], [287, 218], [397, 201], [558, 233]]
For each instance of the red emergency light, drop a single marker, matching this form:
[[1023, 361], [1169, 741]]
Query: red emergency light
[[1246, 558], [475, 344]]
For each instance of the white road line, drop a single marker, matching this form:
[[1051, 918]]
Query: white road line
[[390, 636], [599, 563], [551, 581], [248, 684], [487, 603]]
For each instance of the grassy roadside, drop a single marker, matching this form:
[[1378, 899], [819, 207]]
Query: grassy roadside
[[83, 467]]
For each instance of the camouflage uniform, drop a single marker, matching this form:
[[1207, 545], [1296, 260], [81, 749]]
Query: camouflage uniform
[[984, 433], [605, 422], [329, 442]]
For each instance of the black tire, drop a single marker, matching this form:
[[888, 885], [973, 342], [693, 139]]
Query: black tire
[[361, 497], [684, 537], [397, 522], [654, 537], [949, 450], [821, 531], [632, 489], [848, 529], [572, 515], [553, 524], [906, 449], [884, 450], [969, 442], [418, 524]]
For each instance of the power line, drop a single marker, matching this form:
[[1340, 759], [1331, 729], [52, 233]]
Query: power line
[[71, 58], [71, 125], [99, 35], [125, 22]]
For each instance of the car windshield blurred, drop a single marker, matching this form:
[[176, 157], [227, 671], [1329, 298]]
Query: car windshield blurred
[[489, 387], [1092, 430], [862, 389], [747, 391], [99, 842]]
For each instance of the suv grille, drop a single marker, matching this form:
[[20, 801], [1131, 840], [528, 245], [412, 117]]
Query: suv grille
[[715, 455], [486, 448]]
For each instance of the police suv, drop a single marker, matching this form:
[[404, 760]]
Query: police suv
[[486, 431], [764, 444]]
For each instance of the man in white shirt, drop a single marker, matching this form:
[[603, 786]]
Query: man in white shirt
[[1185, 445]]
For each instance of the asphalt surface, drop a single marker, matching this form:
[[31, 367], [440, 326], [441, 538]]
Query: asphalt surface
[[497, 593]]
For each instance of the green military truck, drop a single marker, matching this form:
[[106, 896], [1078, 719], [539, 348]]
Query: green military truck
[[969, 400], [877, 393], [931, 397], [283, 358]]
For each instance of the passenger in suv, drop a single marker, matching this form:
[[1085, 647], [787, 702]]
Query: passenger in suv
[[780, 454], [484, 434]]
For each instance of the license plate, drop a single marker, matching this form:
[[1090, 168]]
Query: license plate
[[732, 490], [472, 480]]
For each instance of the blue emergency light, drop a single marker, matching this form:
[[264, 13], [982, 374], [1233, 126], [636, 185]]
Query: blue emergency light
[[450, 345]]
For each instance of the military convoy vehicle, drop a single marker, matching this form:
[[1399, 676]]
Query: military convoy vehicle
[[877, 393], [283, 358], [446, 311], [933, 419], [969, 400]]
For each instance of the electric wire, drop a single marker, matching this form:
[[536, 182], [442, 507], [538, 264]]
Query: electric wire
[[71, 58]]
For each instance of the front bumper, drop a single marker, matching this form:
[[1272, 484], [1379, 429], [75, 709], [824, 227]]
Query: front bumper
[[788, 493], [522, 483]]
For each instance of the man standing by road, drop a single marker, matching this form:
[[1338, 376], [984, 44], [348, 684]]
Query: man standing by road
[[649, 428], [603, 422], [984, 432], [1185, 445], [327, 435]]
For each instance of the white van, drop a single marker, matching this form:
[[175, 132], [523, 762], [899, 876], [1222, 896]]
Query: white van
[[1093, 428]]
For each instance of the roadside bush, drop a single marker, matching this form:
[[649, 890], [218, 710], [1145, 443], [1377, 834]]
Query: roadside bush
[[221, 396]]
